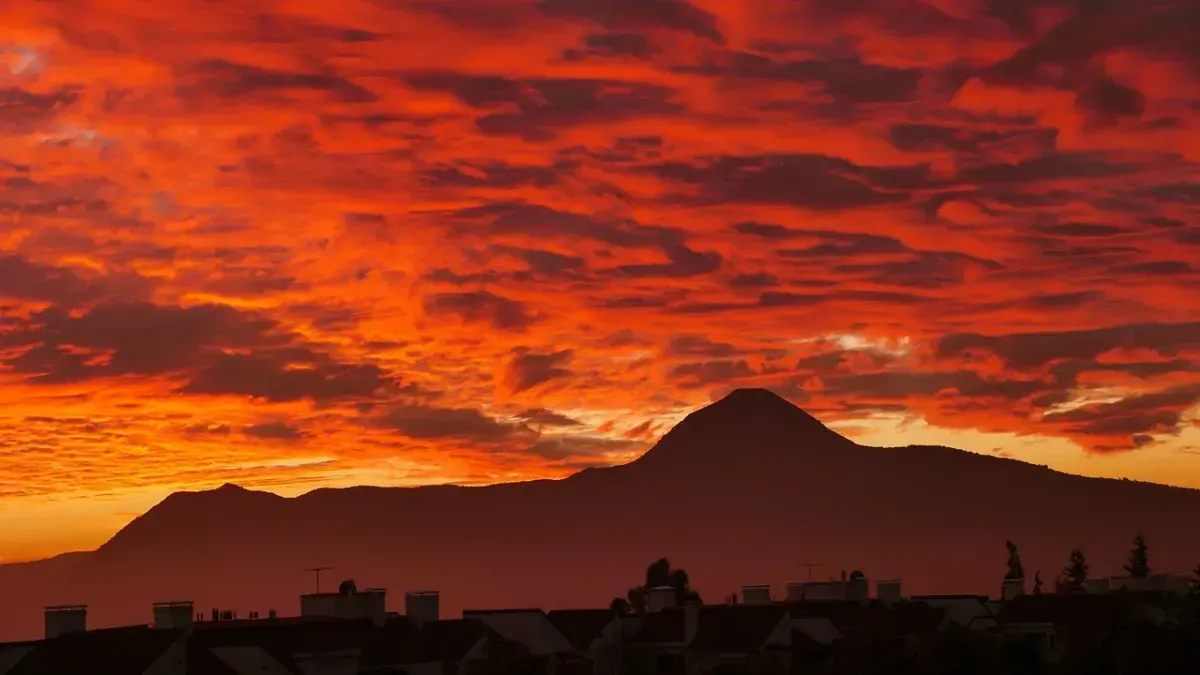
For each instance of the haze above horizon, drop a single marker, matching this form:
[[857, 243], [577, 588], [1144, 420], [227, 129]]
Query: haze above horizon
[[470, 241]]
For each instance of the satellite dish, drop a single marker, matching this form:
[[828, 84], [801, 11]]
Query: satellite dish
[[347, 587]]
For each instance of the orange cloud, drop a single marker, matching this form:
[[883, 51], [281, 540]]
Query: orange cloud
[[475, 240]]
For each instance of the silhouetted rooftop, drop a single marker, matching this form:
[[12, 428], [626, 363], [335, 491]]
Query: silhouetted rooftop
[[581, 627], [113, 651]]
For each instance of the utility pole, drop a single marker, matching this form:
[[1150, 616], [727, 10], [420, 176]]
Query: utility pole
[[317, 571]]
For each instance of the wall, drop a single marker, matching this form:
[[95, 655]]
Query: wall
[[365, 604], [314, 604], [59, 622]]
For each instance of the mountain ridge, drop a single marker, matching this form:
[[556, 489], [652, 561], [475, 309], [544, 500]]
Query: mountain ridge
[[738, 492]]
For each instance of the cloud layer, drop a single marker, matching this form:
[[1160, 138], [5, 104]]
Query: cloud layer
[[476, 240]]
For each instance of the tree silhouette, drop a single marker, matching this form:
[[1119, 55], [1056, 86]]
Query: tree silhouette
[[1015, 569], [660, 573], [1196, 580], [619, 606], [1076, 572], [1139, 562]]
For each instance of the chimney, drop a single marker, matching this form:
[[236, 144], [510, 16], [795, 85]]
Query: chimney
[[660, 598], [422, 606], [691, 620], [756, 595], [63, 619], [372, 604], [1013, 588], [176, 614], [889, 591]]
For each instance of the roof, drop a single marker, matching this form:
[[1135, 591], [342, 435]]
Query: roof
[[1084, 610], [295, 635], [581, 627], [950, 596], [658, 627], [201, 661], [874, 617], [525, 610], [113, 651], [737, 628], [814, 631], [402, 642]]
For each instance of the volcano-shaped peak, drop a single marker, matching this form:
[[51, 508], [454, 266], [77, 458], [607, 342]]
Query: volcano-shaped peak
[[744, 409], [752, 396], [746, 423]]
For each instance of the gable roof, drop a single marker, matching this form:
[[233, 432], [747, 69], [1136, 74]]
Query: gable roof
[[112, 651], [659, 627], [736, 628], [581, 627], [201, 661], [402, 642], [531, 628]]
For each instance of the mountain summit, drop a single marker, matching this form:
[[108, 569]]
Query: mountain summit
[[746, 426]]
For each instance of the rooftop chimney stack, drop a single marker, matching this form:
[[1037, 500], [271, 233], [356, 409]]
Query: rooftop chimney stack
[[175, 614], [1013, 588], [660, 598], [63, 619], [422, 606], [889, 591], [756, 595]]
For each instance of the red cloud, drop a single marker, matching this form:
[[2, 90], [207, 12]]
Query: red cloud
[[460, 235]]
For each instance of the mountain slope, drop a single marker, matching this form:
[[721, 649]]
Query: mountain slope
[[741, 491]]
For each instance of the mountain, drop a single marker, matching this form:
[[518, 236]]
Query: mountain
[[744, 490]]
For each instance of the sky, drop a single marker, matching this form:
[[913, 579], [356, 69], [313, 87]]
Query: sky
[[310, 244]]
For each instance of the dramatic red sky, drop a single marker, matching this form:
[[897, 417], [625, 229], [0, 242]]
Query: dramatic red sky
[[413, 241]]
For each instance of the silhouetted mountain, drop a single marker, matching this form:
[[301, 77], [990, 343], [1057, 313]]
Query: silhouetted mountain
[[749, 428], [741, 491]]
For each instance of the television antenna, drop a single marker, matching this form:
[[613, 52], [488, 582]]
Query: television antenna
[[317, 571], [810, 567]]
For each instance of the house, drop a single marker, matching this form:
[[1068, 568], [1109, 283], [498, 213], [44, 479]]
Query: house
[[729, 639], [532, 629], [313, 645], [703, 640], [598, 636], [855, 587], [138, 650], [1069, 626], [969, 611], [426, 648], [852, 635], [658, 647]]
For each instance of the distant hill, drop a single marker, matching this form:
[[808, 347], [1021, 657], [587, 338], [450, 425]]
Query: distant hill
[[741, 491]]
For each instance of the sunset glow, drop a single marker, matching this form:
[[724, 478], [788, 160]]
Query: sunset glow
[[320, 244]]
